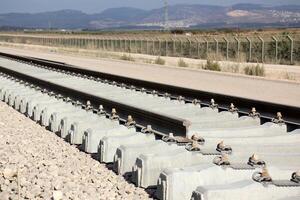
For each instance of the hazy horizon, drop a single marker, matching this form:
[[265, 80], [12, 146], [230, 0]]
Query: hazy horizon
[[96, 6]]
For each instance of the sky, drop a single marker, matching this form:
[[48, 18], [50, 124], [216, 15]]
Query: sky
[[95, 6]]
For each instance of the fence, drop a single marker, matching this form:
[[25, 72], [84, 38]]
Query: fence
[[281, 49]]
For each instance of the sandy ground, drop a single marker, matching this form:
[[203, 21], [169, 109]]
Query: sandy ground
[[272, 71], [282, 92], [38, 165]]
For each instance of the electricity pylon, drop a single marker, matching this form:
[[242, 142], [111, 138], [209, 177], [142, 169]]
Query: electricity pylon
[[166, 25]]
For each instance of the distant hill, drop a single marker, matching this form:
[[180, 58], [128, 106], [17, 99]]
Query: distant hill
[[183, 15], [68, 19]]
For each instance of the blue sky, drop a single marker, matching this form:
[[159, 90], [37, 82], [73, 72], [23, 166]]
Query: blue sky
[[94, 6]]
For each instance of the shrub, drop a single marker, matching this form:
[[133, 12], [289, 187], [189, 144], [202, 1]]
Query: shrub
[[178, 31], [290, 76], [127, 57], [159, 61], [213, 66], [182, 63], [255, 71]]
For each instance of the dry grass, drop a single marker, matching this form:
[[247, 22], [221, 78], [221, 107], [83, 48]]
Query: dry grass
[[232, 68], [289, 76], [242, 57], [159, 61], [182, 63], [127, 57], [211, 65], [255, 70]]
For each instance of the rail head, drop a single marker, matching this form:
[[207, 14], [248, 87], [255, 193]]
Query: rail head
[[162, 124], [267, 110]]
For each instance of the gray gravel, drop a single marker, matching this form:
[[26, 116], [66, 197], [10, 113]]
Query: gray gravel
[[36, 164]]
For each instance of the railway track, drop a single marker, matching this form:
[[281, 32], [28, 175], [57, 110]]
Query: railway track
[[162, 136]]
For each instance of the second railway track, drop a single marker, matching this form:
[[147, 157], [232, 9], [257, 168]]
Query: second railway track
[[184, 147]]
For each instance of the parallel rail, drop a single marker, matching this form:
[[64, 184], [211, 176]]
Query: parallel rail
[[266, 109], [163, 124], [144, 155]]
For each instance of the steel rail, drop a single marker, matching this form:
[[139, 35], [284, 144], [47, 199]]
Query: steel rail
[[266, 109], [160, 123]]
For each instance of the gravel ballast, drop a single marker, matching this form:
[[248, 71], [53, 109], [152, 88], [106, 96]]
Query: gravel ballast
[[36, 164]]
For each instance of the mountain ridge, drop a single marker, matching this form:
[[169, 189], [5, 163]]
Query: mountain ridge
[[180, 15]]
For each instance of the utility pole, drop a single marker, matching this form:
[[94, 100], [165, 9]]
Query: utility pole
[[166, 25]]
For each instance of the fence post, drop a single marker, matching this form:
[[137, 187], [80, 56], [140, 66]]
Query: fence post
[[174, 47], [250, 49], [166, 47], [114, 44], [110, 44], [206, 41], [153, 46], [217, 47], [146, 40], [136, 46], [190, 47], [120, 45], [238, 47], [159, 46], [142, 46], [262, 49], [276, 48], [181, 49], [125, 45], [106, 45], [227, 48], [198, 48], [292, 47]]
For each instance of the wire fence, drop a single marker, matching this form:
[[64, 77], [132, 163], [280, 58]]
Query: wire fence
[[280, 49]]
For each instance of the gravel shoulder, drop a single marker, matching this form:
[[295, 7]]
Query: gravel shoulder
[[47, 167], [282, 92]]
